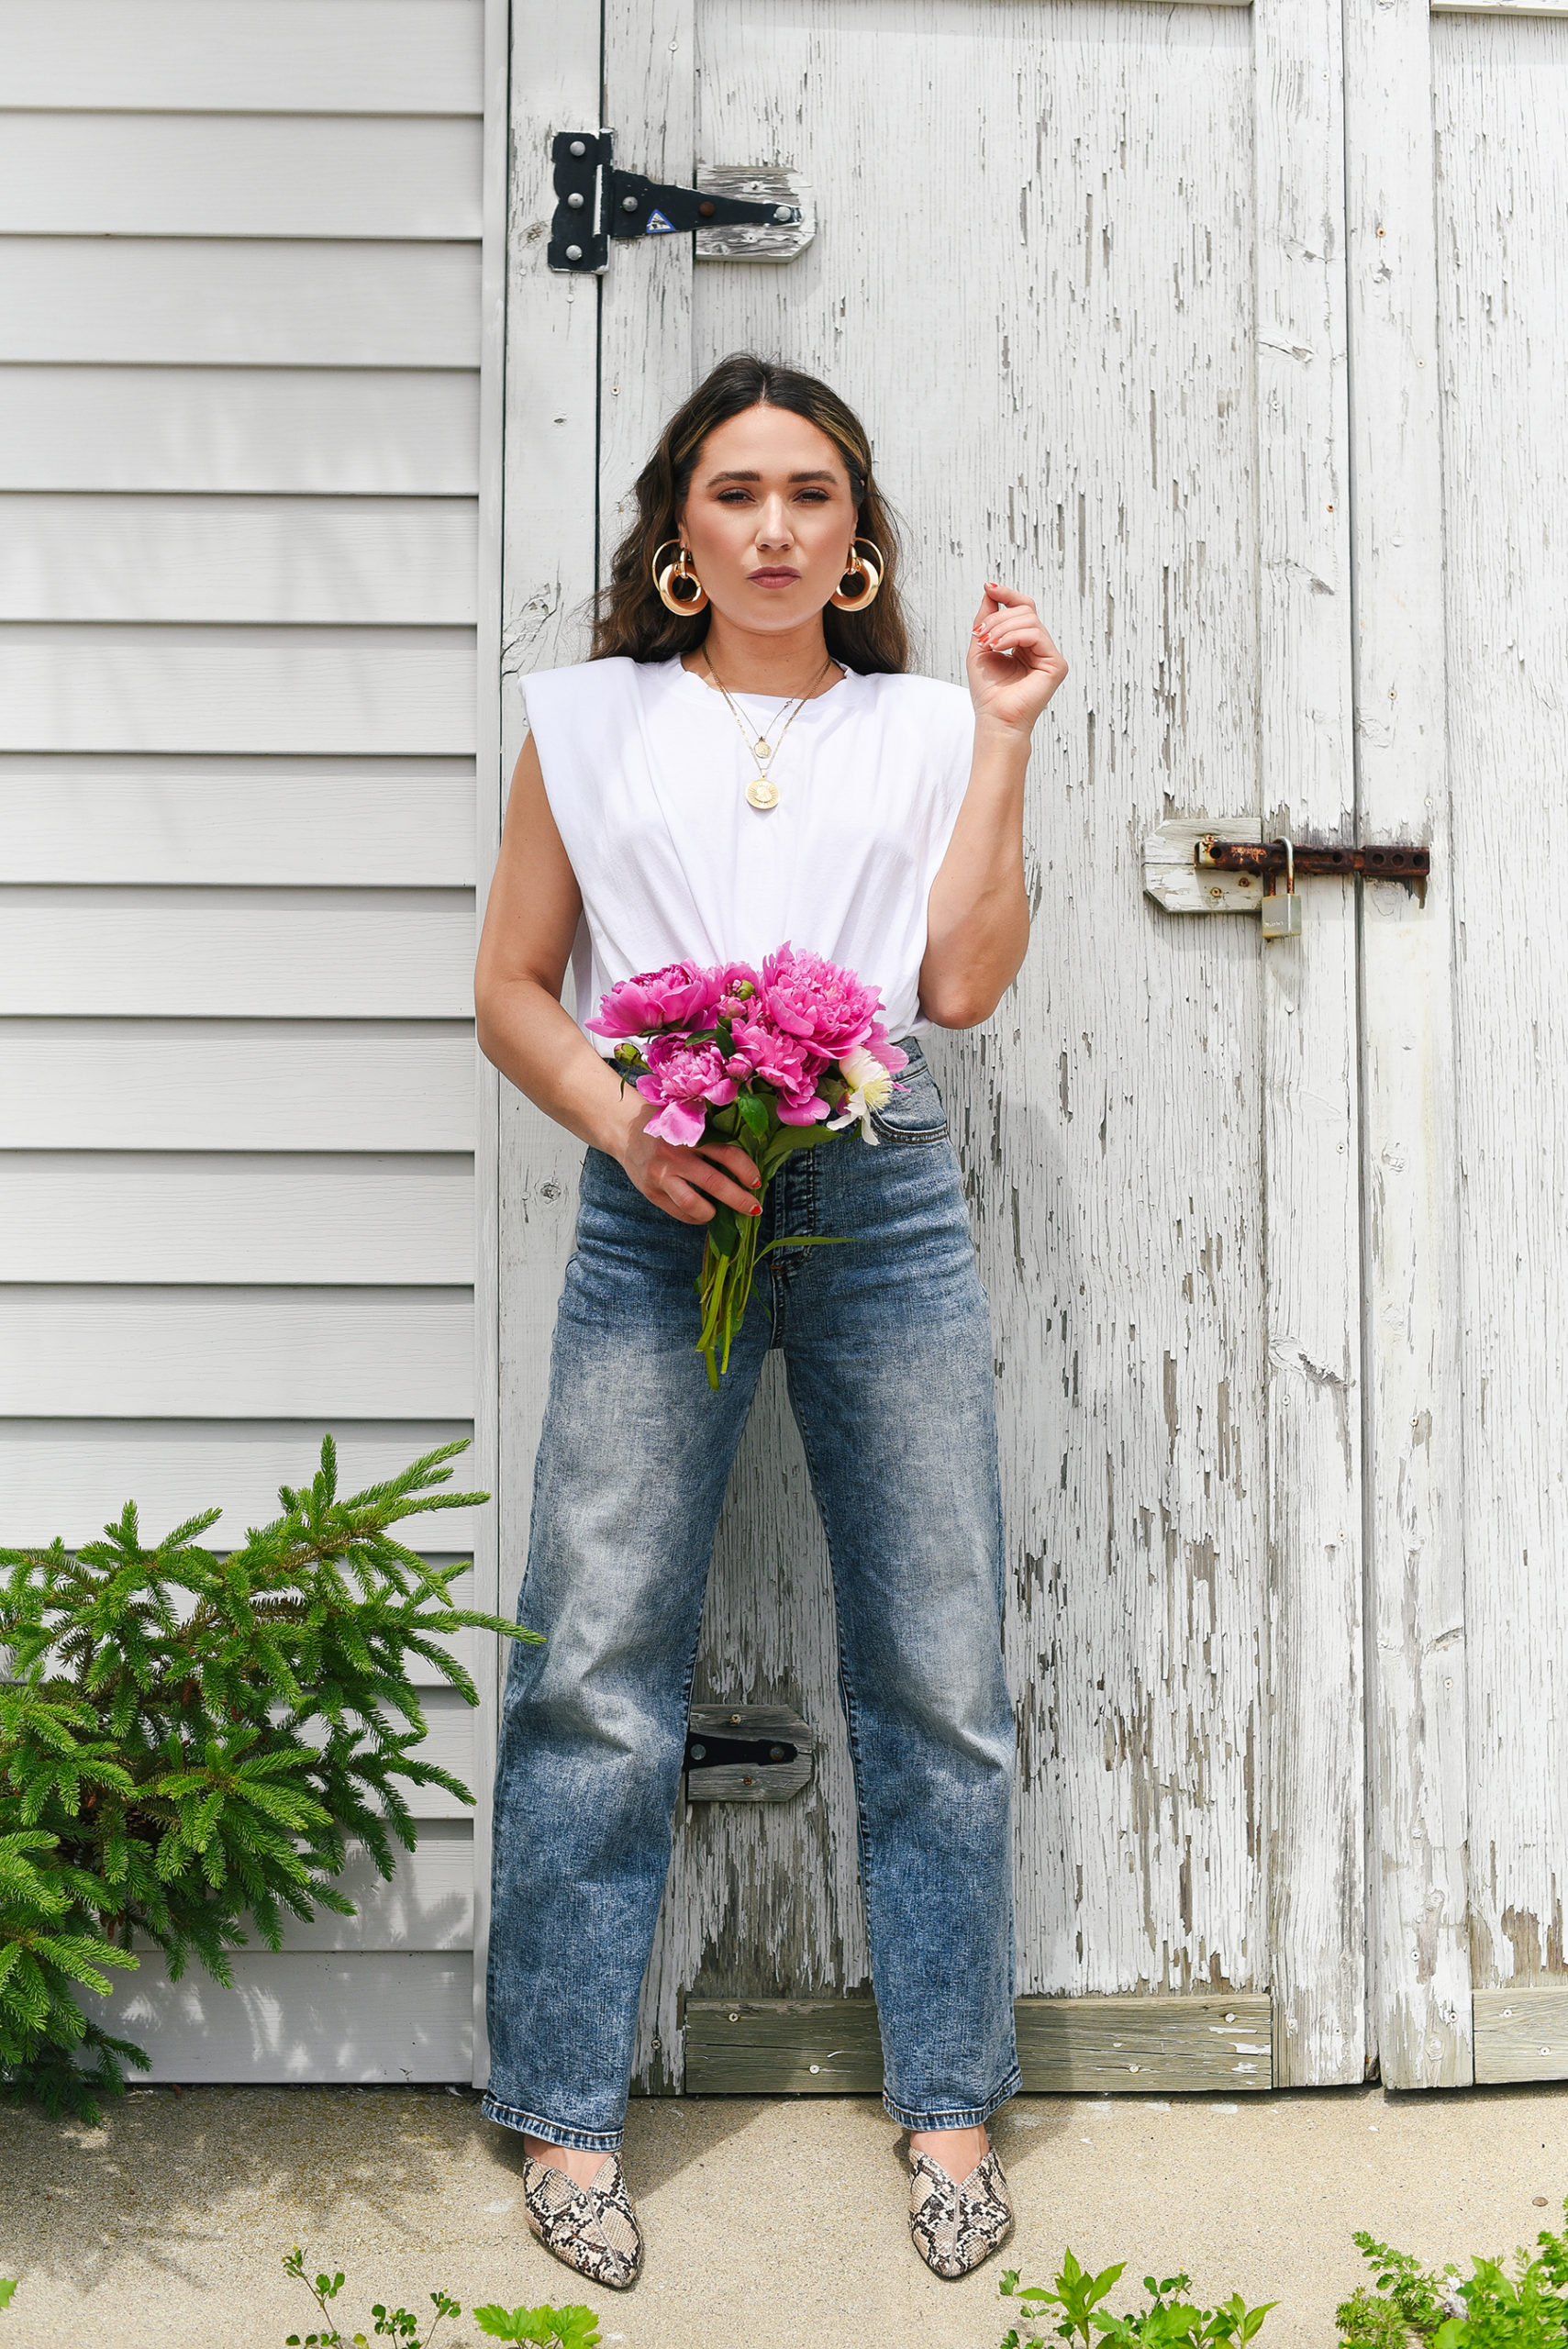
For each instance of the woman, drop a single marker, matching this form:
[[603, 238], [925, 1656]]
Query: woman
[[744, 761]]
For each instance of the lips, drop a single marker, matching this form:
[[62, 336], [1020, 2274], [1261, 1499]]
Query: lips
[[774, 578]]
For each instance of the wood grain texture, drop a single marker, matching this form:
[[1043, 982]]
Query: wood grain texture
[[95, 688], [1108, 464], [1501, 101], [547, 541], [1313, 1795], [1522, 2034], [210, 559], [391, 432], [260, 175], [233, 302], [283, 953], [385, 2015], [1414, 1428], [403, 57], [253, 1085], [70, 1477], [1066, 2046], [236, 1354], [195, 1216], [265, 822]]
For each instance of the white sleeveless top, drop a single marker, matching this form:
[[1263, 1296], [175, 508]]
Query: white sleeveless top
[[645, 774]]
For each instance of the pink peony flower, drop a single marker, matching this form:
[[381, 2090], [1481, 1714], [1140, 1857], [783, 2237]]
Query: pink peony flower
[[826, 1007], [680, 995], [681, 1076], [780, 1061], [891, 1056]]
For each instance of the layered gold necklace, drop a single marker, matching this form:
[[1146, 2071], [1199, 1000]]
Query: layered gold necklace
[[762, 793]]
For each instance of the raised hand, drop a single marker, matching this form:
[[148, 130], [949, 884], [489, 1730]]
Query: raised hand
[[1014, 667]]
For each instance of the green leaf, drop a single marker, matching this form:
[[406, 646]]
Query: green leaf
[[754, 1112], [5, 2291]]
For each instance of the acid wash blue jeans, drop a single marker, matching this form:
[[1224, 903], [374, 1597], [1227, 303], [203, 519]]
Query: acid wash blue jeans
[[887, 1352]]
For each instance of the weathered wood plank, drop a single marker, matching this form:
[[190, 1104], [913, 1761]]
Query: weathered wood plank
[[1314, 1782], [158, 175], [391, 432], [264, 822], [1501, 96], [407, 691], [229, 302], [371, 2015], [282, 953], [236, 1084], [1066, 2046], [401, 57], [1414, 1522], [1124, 1279], [299, 561], [236, 1354], [1522, 2034], [401, 1220], [70, 1477]]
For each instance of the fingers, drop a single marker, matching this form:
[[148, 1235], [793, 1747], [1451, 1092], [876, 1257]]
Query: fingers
[[1014, 627], [688, 1182]]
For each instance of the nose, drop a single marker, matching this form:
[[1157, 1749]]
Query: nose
[[772, 524]]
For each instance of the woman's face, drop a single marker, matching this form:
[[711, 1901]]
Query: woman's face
[[769, 519]]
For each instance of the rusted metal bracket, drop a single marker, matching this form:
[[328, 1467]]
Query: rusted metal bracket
[[1399, 861], [1218, 865]]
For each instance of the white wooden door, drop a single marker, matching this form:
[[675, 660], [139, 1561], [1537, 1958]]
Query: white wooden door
[[1080, 264]]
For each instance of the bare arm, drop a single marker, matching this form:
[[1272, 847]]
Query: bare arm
[[530, 923], [978, 916]]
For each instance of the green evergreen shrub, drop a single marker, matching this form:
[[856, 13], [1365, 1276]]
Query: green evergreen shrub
[[188, 1740]]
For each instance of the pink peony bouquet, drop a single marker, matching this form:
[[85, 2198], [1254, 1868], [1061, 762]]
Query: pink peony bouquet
[[774, 1061]]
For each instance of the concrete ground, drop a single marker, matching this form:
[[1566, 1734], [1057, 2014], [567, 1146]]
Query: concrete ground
[[770, 2225]]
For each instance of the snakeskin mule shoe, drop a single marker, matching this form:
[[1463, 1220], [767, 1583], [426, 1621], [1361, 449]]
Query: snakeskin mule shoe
[[955, 2227], [592, 2228]]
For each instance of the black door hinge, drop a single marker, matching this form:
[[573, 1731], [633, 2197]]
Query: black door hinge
[[593, 203]]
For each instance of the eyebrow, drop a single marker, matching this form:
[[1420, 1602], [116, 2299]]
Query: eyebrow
[[823, 474]]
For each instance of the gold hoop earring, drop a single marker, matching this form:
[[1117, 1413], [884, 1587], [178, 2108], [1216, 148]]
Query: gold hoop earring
[[868, 567], [674, 578]]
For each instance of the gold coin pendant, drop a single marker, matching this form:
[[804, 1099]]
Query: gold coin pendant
[[762, 793]]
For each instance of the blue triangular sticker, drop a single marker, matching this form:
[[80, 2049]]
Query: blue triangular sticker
[[658, 226]]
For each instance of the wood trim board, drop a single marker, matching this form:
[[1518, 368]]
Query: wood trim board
[[1522, 2034], [1066, 2046]]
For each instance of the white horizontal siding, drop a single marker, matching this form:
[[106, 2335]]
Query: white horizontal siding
[[391, 433], [245, 56], [255, 175], [429, 1904], [239, 317], [214, 303], [117, 1084], [101, 1352], [94, 688], [409, 562], [288, 953], [232, 821], [372, 2016], [70, 1477], [152, 1216]]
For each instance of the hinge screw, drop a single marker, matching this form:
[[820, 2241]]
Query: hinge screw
[[574, 201], [574, 252], [783, 212], [628, 204], [578, 148]]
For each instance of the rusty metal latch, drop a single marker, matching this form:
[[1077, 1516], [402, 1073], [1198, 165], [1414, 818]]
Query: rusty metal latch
[[765, 215], [1204, 864]]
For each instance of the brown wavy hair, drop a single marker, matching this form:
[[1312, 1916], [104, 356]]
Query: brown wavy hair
[[629, 619]]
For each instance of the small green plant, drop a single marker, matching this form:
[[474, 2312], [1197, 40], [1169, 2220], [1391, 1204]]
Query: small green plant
[[571, 2328], [1486, 2309], [568, 2328], [5, 2291], [1169, 2322], [187, 1739]]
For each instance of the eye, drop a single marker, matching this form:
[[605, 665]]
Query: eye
[[734, 496]]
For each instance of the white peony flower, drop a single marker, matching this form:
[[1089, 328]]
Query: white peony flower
[[870, 1088]]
